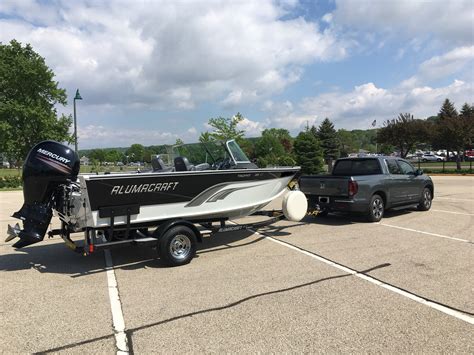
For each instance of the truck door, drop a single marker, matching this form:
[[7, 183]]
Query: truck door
[[395, 185], [412, 182]]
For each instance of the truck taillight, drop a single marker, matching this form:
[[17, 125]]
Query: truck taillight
[[353, 188]]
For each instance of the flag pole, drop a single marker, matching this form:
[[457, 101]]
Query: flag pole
[[374, 124]]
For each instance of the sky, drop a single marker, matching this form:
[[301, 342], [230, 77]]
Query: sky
[[150, 72]]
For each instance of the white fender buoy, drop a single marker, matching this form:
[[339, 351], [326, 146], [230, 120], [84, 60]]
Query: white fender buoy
[[294, 205]]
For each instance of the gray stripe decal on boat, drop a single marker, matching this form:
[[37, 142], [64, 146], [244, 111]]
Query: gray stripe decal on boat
[[215, 193]]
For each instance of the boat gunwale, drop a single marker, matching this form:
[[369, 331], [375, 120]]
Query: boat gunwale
[[198, 172]]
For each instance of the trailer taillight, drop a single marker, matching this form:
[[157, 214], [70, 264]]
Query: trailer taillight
[[91, 248], [353, 187]]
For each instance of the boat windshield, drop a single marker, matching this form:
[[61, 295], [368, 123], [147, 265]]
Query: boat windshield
[[211, 152], [237, 153]]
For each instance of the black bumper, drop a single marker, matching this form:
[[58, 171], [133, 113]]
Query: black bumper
[[335, 204]]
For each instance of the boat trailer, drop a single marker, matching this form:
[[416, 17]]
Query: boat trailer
[[176, 240]]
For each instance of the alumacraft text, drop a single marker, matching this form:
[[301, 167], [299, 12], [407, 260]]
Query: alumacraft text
[[136, 189]]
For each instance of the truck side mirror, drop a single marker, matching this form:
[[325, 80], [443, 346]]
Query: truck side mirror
[[418, 172]]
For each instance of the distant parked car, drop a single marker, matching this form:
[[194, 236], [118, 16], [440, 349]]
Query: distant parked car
[[469, 154], [432, 157], [6, 165]]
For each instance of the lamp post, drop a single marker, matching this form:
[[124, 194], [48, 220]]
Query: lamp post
[[77, 97]]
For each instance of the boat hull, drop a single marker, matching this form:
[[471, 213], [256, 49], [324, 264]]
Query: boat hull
[[188, 195]]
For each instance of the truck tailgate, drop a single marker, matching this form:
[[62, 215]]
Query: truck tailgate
[[325, 185]]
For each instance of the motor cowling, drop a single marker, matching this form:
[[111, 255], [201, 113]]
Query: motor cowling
[[48, 165]]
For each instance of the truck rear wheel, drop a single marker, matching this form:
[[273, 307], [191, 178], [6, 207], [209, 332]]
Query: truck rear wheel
[[426, 198], [376, 209], [177, 246]]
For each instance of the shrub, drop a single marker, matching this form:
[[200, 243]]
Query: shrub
[[10, 182]]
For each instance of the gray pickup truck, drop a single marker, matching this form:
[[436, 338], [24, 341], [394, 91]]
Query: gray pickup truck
[[368, 185]]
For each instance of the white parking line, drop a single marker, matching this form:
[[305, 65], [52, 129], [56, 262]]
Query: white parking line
[[441, 308], [116, 307], [454, 199], [462, 213], [423, 232]]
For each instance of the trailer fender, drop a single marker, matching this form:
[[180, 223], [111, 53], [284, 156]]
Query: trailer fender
[[162, 228]]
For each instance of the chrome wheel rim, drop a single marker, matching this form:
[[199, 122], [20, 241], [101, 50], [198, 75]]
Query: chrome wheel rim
[[180, 247], [377, 208], [427, 198]]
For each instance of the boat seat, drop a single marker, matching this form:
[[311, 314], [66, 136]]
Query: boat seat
[[158, 164], [183, 164], [203, 166]]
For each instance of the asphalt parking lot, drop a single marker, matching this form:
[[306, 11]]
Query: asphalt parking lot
[[334, 284]]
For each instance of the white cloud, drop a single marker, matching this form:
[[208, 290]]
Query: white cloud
[[170, 55], [441, 66], [367, 102], [450, 21], [327, 18], [192, 130], [101, 137], [251, 128]]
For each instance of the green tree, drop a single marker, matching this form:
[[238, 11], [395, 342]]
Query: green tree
[[283, 136], [453, 130], [268, 149], [28, 96], [329, 141], [205, 137], [347, 143], [147, 153], [449, 131], [274, 148], [467, 115], [113, 155], [135, 152], [226, 128], [248, 146], [403, 132], [98, 155], [308, 153], [447, 110]]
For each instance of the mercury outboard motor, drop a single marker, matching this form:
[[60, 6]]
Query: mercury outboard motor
[[48, 165]]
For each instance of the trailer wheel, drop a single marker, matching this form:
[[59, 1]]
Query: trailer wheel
[[177, 246]]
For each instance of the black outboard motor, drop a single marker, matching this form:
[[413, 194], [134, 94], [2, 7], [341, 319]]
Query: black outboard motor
[[48, 165]]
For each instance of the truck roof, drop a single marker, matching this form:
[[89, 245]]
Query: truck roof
[[370, 157]]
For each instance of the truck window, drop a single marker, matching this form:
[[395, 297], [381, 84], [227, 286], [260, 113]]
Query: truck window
[[393, 167], [351, 167], [406, 168]]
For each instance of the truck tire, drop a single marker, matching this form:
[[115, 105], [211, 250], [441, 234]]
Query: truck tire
[[177, 246], [376, 209], [426, 198]]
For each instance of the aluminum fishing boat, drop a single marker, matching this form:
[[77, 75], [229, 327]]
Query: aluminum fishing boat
[[120, 208]]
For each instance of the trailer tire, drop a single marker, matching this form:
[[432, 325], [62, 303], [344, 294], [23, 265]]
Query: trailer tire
[[177, 246]]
